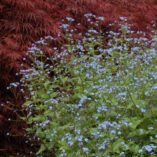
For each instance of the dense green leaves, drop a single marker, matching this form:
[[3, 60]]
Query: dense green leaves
[[96, 105]]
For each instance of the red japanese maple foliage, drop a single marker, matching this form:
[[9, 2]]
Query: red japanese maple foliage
[[24, 21]]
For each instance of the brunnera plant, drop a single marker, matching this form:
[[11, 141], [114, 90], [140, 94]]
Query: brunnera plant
[[100, 100]]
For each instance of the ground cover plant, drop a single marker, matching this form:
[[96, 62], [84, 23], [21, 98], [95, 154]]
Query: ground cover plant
[[93, 99]]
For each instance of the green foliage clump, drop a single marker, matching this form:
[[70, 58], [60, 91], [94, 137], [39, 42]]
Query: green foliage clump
[[95, 100]]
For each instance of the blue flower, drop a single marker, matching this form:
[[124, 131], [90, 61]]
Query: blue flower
[[85, 150]]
